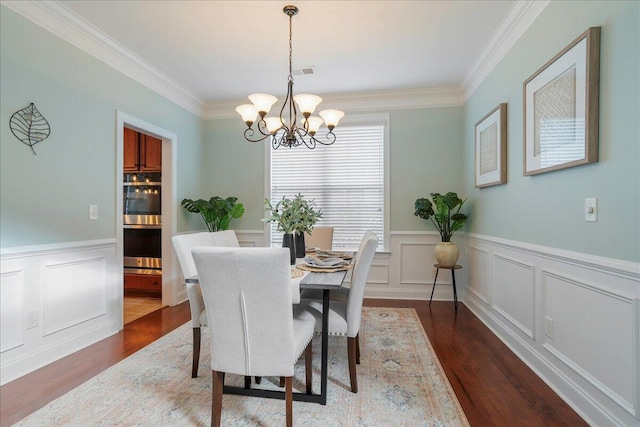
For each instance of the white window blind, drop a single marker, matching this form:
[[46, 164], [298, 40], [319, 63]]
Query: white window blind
[[345, 180]]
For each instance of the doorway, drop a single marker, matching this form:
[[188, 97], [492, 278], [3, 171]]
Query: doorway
[[169, 286]]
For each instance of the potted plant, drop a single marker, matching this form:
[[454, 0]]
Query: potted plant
[[444, 213], [216, 212], [307, 217], [292, 216]]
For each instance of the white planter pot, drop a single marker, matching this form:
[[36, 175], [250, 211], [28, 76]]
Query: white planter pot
[[446, 254]]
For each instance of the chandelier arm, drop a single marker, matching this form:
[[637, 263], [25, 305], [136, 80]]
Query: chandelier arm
[[248, 134], [306, 138], [331, 138]]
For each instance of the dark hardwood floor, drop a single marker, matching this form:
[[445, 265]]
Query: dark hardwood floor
[[493, 386]]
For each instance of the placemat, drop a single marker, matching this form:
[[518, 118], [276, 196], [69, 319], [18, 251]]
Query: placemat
[[295, 273], [307, 267]]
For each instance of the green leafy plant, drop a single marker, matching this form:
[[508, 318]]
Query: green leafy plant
[[444, 213], [216, 212], [295, 215]]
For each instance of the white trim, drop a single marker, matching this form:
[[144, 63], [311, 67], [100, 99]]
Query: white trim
[[597, 403], [37, 250], [626, 269], [64, 23], [170, 292], [521, 15]]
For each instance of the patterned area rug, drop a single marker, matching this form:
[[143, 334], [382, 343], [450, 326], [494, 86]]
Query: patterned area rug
[[401, 383]]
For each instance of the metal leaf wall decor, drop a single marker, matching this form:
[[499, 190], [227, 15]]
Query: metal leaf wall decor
[[30, 126]]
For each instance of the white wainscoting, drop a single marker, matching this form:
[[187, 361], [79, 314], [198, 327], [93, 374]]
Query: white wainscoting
[[573, 318], [406, 272], [55, 300]]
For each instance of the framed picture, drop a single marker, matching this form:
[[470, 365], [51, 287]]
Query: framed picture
[[561, 108], [491, 148]]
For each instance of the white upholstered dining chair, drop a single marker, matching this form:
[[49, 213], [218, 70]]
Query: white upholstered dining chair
[[345, 313], [252, 327], [321, 237], [183, 244]]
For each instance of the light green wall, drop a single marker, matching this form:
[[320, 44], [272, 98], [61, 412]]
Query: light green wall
[[45, 198], [548, 209], [426, 153]]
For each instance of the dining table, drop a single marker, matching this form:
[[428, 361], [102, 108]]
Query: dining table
[[327, 282]]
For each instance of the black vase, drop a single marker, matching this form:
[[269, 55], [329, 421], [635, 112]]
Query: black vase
[[287, 242], [300, 248]]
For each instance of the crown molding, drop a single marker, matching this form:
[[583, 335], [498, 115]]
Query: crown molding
[[520, 17], [59, 20], [364, 101]]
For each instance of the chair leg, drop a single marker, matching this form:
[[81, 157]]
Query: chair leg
[[196, 352], [216, 401], [258, 380], [281, 382], [308, 368], [358, 349], [289, 400], [351, 355]]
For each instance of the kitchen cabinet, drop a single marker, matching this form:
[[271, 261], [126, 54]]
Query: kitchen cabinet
[[142, 153], [143, 284]]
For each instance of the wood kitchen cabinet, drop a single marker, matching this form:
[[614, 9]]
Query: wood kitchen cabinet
[[142, 153], [143, 285]]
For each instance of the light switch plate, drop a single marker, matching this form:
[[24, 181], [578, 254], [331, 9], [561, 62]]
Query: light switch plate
[[548, 327], [591, 209], [93, 212]]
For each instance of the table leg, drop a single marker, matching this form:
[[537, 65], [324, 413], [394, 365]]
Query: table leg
[[325, 347], [434, 285], [455, 293]]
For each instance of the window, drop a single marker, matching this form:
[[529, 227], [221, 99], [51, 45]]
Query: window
[[346, 180]]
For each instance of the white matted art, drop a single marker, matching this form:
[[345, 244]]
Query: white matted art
[[561, 108], [491, 148]]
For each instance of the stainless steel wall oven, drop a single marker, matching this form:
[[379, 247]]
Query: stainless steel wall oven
[[142, 223]]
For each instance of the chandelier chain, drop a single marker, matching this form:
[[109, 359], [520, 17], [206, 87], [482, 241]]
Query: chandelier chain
[[290, 47]]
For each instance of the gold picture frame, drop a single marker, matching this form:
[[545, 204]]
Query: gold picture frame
[[491, 148], [561, 108]]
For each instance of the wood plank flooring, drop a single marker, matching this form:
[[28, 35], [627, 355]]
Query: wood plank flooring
[[494, 387]]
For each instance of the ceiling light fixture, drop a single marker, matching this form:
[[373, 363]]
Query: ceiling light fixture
[[281, 133]]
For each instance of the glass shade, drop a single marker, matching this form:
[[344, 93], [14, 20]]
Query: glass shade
[[248, 113], [273, 124], [307, 103], [262, 101], [331, 117], [313, 123]]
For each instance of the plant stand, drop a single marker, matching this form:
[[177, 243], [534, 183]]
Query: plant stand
[[453, 278]]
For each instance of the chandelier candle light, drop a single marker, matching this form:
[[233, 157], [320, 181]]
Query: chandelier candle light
[[281, 133]]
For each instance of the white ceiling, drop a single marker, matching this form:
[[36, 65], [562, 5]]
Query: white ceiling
[[217, 52]]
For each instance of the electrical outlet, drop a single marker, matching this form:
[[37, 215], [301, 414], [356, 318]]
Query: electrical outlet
[[32, 319], [548, 327]]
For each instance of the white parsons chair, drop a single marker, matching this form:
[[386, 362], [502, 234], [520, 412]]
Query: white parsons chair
[[321, 237], [183, 244], [345, 317], [248, 299]]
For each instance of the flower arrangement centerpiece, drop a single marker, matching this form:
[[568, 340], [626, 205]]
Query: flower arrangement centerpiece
[[292, 216]]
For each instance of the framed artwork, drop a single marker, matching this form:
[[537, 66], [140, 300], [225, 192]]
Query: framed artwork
[[561, 108], [491, 148]]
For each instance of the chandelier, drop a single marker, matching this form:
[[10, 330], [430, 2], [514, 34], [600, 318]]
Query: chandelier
[[283, 130]]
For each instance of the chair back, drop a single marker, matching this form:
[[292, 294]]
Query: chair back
[[321, 237], [247, 295], [363, 261], [184, 243]]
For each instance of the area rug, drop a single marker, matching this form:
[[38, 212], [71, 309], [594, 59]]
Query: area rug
[[401, 383]]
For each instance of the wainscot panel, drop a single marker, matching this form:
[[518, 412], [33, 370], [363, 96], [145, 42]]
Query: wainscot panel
[[60, 299], [573, 318]]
